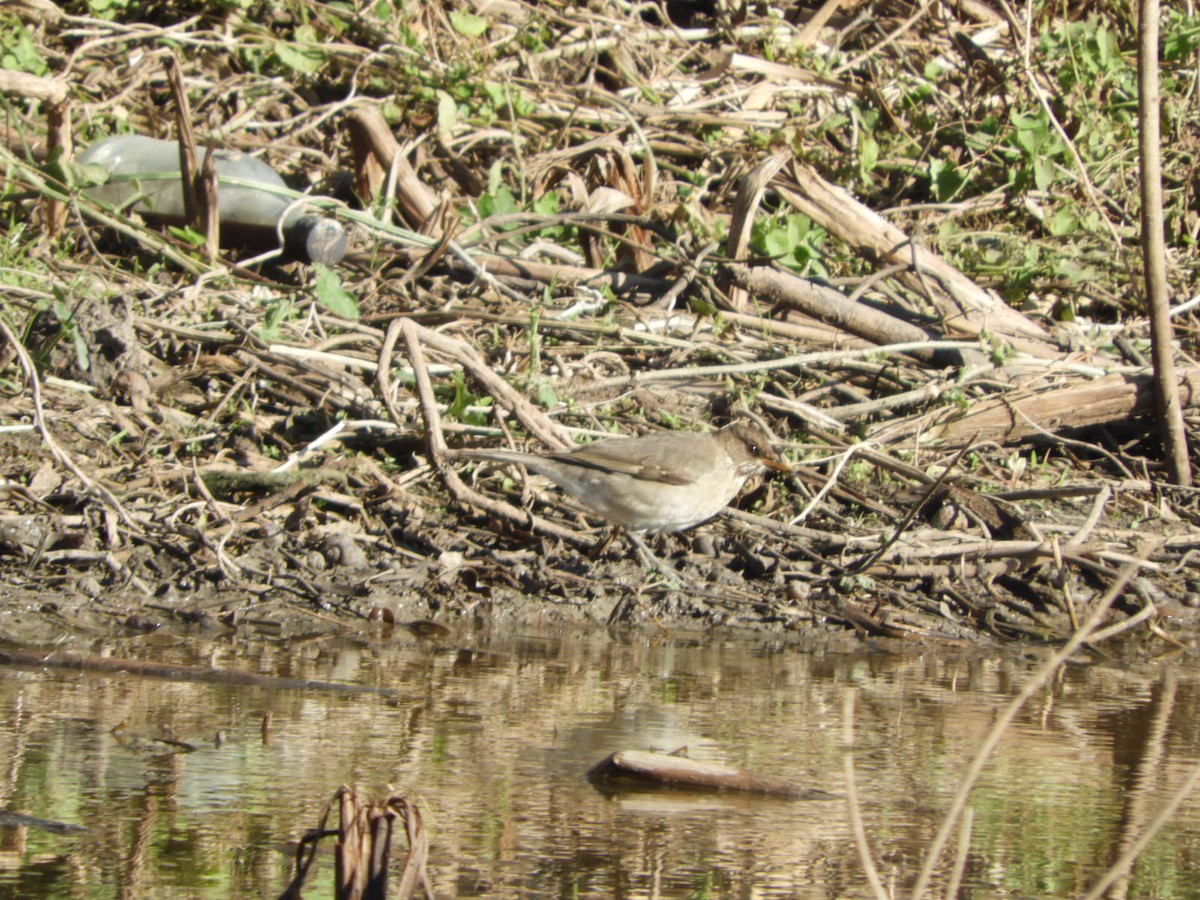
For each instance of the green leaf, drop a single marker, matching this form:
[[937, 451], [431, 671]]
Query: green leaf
[[1045, 173], [459, 407], [548, 204], [499, 202], [1179, 39], [546, 397], [77, 175], [1076, 272], [304, 62], [106, 9], [19, 50], [330, 293], [495, 176], [467, 24], [1063, 223], [947, 180], [868, 154], [188, 235], [496, 94], [1033, 132], [303, 58], [447, 115], [275, 314], [69, 329], [793, 240]]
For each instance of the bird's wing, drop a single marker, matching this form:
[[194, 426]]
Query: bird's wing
[[657, 463]]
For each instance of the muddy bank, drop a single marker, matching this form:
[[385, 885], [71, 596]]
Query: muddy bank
[[203, 436]]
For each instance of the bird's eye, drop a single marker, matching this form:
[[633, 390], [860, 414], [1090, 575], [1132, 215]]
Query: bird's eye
[[754, 450]]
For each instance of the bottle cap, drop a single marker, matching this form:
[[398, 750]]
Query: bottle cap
[[313, 239]]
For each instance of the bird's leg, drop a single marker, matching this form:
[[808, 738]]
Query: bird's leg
[[598, 549], [649, 560], [653, 564], [671, 579]]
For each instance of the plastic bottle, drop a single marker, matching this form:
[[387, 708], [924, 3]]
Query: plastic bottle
[[146, 170]]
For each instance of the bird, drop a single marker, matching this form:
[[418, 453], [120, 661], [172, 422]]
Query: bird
[[657, 483]]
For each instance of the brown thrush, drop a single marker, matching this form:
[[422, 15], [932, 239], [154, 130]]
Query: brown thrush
[[668, 481]]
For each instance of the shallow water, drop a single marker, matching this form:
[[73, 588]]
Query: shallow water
[[495, 737]]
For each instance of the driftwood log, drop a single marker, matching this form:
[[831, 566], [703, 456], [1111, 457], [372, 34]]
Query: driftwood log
[[1012, 418], [639, 768], [826, 304], [966, 308]]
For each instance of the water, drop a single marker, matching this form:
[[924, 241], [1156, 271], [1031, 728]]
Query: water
[[494, 737]]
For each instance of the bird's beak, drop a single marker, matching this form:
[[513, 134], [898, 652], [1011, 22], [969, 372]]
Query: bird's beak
[[776, 464]]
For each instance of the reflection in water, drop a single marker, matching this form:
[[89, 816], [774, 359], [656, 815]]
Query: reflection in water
[[496, 739]]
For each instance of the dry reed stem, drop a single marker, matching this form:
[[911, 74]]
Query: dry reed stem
[[365, 839], [853, 804], [1039, 679]]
